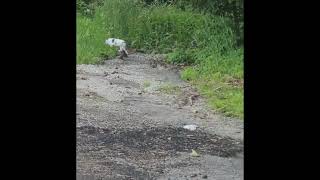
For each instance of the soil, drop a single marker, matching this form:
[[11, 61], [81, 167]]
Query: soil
[[127, 130]]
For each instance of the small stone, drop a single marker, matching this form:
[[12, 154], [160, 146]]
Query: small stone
[[193, 175], [139, 93], [195, 111], [116, 67], [114, 72], [204, 177]]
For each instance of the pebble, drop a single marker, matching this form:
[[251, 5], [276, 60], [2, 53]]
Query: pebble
[[204, 177], [193, 175]]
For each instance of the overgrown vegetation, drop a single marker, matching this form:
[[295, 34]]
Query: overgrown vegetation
[[146, 84], [169, 89], [207, 37]]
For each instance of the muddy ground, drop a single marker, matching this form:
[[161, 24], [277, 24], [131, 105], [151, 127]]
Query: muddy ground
[[130, 118]]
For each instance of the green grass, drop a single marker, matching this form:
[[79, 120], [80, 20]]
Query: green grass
[[155, 28], [205, 42], [146, 84], [90, 41], [220, 79], [169, 89], [222, 97]]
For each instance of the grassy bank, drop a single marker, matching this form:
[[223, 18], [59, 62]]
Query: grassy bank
[[205, 42]]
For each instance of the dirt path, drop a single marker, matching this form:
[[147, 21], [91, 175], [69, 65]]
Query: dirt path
[[130, 116]]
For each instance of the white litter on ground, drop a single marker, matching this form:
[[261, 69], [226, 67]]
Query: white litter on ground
[[190, 127]]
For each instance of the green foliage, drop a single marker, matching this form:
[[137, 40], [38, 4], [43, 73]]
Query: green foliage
[[90, 41], [232, 9], [170, 89], [220, 80], [146, 84], [159, 28], [182, 57]]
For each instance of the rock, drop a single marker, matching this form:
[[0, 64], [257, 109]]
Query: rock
[[204, 177], [114, 72], [193, 175]]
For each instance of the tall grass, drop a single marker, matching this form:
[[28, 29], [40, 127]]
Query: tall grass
[[157, 27], [90, 40], [206, 42]]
